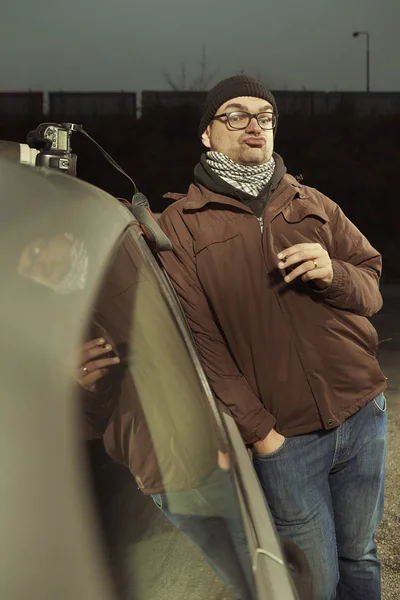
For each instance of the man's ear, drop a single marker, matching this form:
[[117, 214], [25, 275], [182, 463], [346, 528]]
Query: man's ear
[[205, 138]]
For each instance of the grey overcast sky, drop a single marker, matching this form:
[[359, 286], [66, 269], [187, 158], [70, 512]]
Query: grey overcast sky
[[125, 44]]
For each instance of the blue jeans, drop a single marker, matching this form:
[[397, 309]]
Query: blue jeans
[[325, 491], [210, 517]]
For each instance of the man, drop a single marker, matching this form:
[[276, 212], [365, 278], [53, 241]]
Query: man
[[277, 285]]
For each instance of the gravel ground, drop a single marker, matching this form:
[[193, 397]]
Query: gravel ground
[[389, 531], [388, 325]]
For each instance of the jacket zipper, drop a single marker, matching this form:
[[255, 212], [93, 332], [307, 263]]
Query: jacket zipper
[[261, 219]]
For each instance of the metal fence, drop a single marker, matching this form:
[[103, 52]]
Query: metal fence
[[171, 99], [112, 104], [21, 104], [291, 102], [93, 103]]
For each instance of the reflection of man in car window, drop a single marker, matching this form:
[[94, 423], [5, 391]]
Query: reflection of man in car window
[[145, 426], [156, 398]]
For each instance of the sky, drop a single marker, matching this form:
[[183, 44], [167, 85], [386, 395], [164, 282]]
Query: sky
[[111, 45]]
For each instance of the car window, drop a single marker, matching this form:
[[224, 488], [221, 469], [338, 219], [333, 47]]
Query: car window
[[163, 429]]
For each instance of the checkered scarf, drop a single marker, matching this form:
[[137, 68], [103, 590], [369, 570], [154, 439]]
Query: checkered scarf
[[250, 179]]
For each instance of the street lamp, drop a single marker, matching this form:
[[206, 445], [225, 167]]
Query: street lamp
[[366, 33]]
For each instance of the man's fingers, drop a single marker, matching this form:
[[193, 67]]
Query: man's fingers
[[306, 248], [94, 352], [315, 264], [301, 270], [293, 260], [93, 343], [94, 370], [93, 365], [312, 252]]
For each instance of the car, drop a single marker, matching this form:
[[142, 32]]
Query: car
[[51, 529]]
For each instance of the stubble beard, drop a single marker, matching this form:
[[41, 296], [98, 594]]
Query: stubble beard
[[251, 157]]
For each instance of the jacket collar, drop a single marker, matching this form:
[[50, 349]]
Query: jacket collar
[[198, 197]]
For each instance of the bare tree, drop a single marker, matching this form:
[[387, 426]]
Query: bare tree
[[180, 82], [200, 83]]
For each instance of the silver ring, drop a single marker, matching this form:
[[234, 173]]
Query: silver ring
[[315, 264]]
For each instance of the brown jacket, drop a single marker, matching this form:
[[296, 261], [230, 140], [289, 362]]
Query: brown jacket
[[279, 355]]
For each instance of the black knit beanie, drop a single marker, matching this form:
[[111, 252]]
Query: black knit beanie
[[233, 87]]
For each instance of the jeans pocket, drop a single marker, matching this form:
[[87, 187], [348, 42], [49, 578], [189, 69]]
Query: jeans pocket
[[380, 403], [271, 454], [158, 500]]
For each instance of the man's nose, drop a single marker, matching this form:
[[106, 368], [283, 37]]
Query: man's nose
[[253, 126]]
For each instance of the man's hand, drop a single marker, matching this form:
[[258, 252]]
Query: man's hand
[[271, 443], [92, 367], [315, 264]]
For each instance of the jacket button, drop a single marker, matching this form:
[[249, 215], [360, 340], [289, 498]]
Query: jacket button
[[330, 422]]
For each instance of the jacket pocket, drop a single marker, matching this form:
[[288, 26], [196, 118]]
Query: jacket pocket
[[158, 500], [372, 336], [380, 403], [299, 210], [213, 238]]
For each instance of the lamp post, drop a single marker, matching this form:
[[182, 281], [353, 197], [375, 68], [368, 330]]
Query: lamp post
[[366, 33]]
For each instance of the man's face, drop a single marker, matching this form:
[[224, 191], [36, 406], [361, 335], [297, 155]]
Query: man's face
[[250, 146]]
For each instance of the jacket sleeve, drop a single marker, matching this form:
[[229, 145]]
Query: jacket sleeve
[[227, 382], [357, 268], [97, 410], [98, 406]]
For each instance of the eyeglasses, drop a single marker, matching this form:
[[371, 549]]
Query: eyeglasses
[[241, 119]]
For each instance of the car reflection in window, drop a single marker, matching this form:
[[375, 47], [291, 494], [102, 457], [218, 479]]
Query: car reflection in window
[[59, 262], [150, 408]]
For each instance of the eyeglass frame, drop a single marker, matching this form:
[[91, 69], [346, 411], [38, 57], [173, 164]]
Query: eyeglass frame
[[251, 117]]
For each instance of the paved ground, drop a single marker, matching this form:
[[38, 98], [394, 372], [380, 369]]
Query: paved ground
[[151, 560]]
